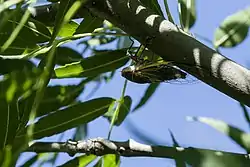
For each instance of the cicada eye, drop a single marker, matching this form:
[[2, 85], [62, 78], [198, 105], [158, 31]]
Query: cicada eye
[[127, 73]]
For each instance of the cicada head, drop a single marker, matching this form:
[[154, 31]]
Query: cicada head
[[133, 74]]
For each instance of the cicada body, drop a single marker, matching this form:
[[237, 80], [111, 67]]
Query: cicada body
[[155, 70], [152, 73]]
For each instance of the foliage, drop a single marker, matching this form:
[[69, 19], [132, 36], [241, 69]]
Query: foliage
[[33, 52]]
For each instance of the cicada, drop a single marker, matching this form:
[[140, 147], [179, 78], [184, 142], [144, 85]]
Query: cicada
[[145, 71], [152, 73]]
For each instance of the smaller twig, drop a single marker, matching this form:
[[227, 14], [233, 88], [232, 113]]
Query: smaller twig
[[131, 148]]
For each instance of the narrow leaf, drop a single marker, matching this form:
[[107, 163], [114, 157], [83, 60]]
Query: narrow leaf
[[59, 19], [98, 163], [68, 29], [246, 114], [111, 160], [153, 5], [237, 135], [66, 55], [69, 117], [147, 95], [83, 160], [92, 66], [30, 161], [32, 33], [178, 161], [89, 24], [123, 111], [233, 30], [188, 13]]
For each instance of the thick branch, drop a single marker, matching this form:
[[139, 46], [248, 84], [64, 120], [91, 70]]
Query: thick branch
[[172, 44], [131, 148]]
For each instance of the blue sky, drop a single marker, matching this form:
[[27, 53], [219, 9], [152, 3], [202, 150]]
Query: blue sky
[[171, 104]]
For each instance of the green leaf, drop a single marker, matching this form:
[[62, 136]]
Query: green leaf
[[153, 5], [246, 114], [81, 132], [123, 111], [188, 13], [89, 24], [68, 29], [233, 30], [98, 163], [239, 136], [83, 160], [147, 95], [54, 98], [178, 161], [104, 61], [209, 158], [40, 33], [8, 65], [8, 122], [32, 33], [111, 160], [30, 161], [62, 10], [13, 86], [69, 117], [66, 55], [169, 16]]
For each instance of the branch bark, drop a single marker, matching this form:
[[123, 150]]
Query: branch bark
[[131, 148], [169, 42], [172, 44]]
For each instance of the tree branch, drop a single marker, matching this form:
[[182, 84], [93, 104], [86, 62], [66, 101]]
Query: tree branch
[[131, 148], [172, 44]]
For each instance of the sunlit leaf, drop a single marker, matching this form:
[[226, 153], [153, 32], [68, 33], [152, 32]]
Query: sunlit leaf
[[68, 29], [92, 66], [147, 95], [123, 111], [59, 19], [111, 160], [69, 117], [239, 136], [83, 160], [188, 13], [233, 30]]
